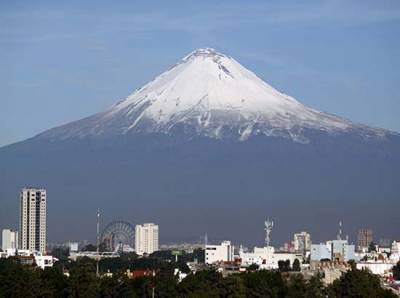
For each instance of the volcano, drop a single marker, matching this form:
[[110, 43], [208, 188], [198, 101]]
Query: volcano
[[209, 94], [208, 146]]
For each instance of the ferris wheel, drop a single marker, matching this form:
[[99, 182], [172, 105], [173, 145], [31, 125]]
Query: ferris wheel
[[117, 235]]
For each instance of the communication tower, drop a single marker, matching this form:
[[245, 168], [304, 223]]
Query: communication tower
[[268, 225]]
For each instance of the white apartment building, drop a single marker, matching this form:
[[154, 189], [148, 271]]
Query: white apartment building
[[395, 251], [219, 253], [333, 250], [41, 260], [146, 238], [9, 239], [267, 258], [32, 231], [379, 268], [302, 242]]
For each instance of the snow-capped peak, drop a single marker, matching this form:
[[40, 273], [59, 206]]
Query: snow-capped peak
[[206, 52], [208, 93], [211, 90]]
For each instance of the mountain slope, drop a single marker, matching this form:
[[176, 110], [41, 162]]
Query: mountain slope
[[209, 147], [208, 93]]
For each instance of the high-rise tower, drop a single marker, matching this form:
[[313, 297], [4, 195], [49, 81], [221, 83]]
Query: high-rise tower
[[146, 238], [364, 239], [32, 230]]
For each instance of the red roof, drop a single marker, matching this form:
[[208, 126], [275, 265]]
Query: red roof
[[139, 273]]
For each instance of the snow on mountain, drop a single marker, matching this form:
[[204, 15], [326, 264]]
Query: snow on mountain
[[210, 94]]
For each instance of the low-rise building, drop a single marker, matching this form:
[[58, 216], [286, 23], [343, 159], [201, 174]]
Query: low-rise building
[[379, 268], [266, 257], [140, 273], [395, 251], [330, 271], [73, 246], [219, 253], [44, 261], [26, 257], [334, 250], [364, 239], [93, 255], [9, 239], [302, 242]]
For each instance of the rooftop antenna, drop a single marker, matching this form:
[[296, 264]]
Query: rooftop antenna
[[339, 236], [205, 240], [98, 242], [268, 225]]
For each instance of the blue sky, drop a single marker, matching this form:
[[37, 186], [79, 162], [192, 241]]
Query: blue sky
[[64, 60]]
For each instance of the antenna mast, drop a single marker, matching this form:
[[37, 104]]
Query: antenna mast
[[339, 236], [268, 225], [98, 242]]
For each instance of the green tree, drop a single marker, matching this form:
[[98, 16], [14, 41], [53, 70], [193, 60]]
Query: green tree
[[199, 255], [138, 287], [352, 264], [396, 271], [162, 254], [358, 283], [371, 247], [183, 267], [264, 283], [232, 286], [202, 284], [18, 281], [253, 267], [315, 287], [60, 253], [296, 265], [83, 281], [296, 286], [165, 281], [54, 281], [114, 265], [114, 286], [284, 266]]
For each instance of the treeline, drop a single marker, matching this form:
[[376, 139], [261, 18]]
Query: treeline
[[19, 281]]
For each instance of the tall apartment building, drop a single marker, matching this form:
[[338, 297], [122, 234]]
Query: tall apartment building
[[146, 238], [364, 239], [9, 239], [302, 242], [32, 230]]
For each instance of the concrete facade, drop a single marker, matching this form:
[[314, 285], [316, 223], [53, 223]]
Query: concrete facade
[[9, 239], [267, 258], [146, 238], [219, 253], [302, 242], [32, 232], [334, 250]]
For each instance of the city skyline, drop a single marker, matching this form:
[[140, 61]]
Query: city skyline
[[299, 234]]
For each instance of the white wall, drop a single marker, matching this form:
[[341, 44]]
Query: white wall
[[9, 239], [375, 268], [219, 253], [146, 238], [266, 257]]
